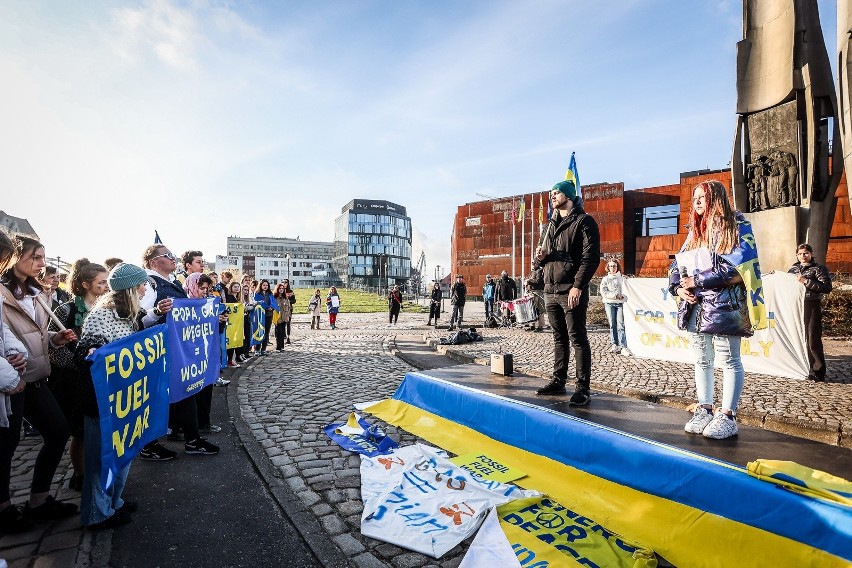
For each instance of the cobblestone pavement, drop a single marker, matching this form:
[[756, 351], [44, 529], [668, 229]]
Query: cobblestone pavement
[[286, 398], [48, 544]]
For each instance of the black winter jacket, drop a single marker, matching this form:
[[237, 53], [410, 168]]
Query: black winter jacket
[[506, 289], [817, 280], [570, 264]]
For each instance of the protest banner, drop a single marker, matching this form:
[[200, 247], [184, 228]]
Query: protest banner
[[236, 324], [193, 341], [131, 386], [483, 466], [356, 435], [423, 502], [650, 322], [258, 321]]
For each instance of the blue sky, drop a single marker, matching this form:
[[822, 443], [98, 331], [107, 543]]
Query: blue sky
[[205, 119]]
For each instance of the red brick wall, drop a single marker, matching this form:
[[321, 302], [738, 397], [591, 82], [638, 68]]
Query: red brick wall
[[839, 257], [605, 202]]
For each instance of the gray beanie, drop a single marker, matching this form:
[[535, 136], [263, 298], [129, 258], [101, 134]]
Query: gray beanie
[[126, 276]]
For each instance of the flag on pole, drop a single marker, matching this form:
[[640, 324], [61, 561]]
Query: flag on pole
[[522, 208], [549, 208], [541, 209], [572, 175], [157, 239], [513, 211]]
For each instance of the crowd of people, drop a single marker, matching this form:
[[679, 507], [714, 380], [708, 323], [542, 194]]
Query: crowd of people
[[48, 333]]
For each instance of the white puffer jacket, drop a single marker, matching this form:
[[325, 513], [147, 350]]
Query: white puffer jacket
[[9, 378]]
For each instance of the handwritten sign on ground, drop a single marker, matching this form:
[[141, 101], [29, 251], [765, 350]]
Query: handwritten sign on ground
[[482, 466], [193, 341], [131, 386]]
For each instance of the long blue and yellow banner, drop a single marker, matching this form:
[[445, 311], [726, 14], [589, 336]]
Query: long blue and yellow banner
[[691, 509]]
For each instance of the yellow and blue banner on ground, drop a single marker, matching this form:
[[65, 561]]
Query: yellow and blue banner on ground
[[691, 509]]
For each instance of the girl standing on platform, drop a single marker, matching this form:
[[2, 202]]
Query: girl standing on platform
[[613, 298], [713, 303]]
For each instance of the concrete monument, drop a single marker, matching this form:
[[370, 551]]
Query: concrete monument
[[784, 179]]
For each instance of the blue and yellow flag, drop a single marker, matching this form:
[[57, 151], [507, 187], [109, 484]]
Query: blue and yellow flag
[[573, 175], [744, 259], [802, 479], [258, 323]]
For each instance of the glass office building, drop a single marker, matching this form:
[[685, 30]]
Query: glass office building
[[372, 244]]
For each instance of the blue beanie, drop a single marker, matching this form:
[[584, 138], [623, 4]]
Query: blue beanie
[[126, 276], [567, 187]]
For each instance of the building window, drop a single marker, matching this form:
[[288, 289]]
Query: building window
[[659, 220]]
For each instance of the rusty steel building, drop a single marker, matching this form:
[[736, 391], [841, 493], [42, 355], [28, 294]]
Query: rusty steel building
[[641, 227]]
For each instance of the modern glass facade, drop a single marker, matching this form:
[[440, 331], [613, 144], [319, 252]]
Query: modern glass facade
[[372, 244]]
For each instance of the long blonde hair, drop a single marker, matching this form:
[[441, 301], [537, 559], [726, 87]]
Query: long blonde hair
[[125, 303], [716, 229]]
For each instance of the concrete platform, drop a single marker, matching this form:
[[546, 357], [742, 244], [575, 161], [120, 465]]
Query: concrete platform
[[656, 422]]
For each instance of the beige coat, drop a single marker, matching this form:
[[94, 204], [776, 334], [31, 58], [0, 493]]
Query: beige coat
[[36, 338]]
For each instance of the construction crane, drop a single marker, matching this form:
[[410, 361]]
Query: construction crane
[[490, 197], [417, 274]]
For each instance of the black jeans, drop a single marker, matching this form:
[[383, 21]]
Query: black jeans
[[38, 406], [267, 325], [282, 332], [244, 350], [394, 314], [203, 402], [570, 324], [813, 334]]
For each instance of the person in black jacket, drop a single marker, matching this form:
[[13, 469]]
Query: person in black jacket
[[435, 303], [569, 255], [458, 295], [507, 291], [816, 280]]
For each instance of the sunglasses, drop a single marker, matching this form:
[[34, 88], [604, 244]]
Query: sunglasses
[[168, 255]]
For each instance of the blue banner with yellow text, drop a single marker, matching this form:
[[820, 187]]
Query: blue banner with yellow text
[[193, 340], [131, 386]]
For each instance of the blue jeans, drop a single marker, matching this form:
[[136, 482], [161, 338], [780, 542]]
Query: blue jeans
[[615, 315], [97, 505], [706, 349], [223, 349]]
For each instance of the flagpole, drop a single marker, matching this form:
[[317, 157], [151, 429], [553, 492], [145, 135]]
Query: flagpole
[[513, 239], [523, 232]]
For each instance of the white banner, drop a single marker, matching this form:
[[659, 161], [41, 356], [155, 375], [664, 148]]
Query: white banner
[[650, 321], [417, 499], [490, 547]]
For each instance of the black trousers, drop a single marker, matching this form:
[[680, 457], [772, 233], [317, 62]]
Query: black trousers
[[813, 333], [37, 405], [569, 331], [282, 332], [246, 335], [203, 403], [267, 325], [393, 314], [435, 311]]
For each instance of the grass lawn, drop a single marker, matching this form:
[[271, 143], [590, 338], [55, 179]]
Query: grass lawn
[[351, 301]]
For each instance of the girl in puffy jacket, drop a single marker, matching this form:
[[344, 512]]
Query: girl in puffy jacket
[[713, 306]]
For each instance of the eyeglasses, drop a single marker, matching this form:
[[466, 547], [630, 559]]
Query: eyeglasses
[[168, 255]]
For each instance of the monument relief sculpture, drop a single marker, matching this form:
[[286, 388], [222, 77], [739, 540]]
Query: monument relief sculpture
[[784, 178]]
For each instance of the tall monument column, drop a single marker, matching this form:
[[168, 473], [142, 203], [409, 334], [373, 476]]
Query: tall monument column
[[784, 179]]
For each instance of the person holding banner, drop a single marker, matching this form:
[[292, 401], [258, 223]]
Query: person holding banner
[[88, 283], [817, 281], [27, 313], [263, 297], [198, 286], [248, 307], [116, 315], [569, 254], [613, 300], [332, 305], [233, 295], [716, 276]]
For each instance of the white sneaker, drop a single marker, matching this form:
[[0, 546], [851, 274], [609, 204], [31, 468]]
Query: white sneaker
[[699, 421], [614, 349], [220, 382], [722, 426], [626, 352]]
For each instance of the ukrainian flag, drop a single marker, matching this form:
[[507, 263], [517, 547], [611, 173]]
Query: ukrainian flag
[[573, 175]]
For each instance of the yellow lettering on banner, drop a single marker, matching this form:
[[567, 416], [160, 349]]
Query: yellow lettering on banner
[[650, 338], [109, 364], [125, 363], [766, 345], [118, 439], [677, 341]]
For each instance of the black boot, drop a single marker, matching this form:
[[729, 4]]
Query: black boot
[[553, 387]]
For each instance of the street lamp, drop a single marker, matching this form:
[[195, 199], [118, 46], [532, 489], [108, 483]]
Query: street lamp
[[288, 269]]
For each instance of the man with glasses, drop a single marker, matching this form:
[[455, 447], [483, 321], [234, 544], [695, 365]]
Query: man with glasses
[[569, 254]]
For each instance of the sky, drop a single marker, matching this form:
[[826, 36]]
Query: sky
[[205, 119]]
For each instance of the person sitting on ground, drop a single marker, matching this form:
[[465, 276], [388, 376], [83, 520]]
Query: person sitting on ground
[[817, 281]]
